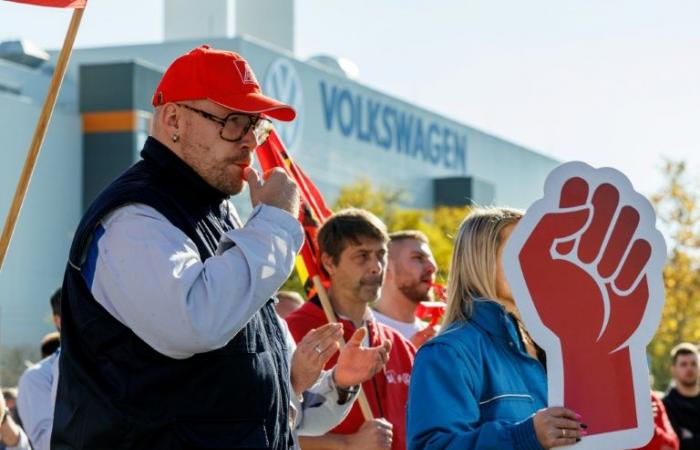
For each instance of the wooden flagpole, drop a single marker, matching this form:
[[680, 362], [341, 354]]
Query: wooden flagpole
[[330, 315], [39, 134]]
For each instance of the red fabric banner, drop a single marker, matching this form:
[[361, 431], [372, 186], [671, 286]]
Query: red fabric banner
[[55, 3], [312, 214]]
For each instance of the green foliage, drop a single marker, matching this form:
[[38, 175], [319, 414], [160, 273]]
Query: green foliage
[[383, 202], [678, 216], [293, 283], [439, 224]]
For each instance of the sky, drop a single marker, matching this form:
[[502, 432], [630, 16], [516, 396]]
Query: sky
[[610, 82]]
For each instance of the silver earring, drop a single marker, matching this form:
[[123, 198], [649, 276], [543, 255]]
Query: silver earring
[[175, 137]]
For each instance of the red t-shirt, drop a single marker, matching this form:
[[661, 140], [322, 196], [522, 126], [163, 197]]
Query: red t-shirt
[[387, 391]]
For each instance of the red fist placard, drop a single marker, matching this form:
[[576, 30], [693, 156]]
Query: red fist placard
[[585, 267]]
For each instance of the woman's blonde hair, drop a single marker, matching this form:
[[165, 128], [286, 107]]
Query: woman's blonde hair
[[473, 270]]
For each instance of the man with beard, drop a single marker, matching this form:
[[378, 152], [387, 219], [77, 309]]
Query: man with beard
[[683, 400], [410, 273], [353, 248], [167, 293]]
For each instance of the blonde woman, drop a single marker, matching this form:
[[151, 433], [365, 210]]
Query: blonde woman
[[481, 383]]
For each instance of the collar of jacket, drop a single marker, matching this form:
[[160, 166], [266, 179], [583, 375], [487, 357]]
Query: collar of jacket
[[492, 317], [179, 174]]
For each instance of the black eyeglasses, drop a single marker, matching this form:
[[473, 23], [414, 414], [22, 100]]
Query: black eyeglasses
[[236, 125]]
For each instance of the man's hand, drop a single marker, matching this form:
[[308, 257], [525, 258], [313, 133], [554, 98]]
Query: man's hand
[[375, 434], [10, 432], [278, 189], [356, 363], [312, 354], [423, 336]]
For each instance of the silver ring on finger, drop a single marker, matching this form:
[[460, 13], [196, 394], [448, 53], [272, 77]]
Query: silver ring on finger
[[563, 433], [318, 351]]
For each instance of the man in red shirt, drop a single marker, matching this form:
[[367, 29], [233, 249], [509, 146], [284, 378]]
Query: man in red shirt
[[353, 247]]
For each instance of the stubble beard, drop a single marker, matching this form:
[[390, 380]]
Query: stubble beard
[[689, 384], [415, 292], [215, 175]]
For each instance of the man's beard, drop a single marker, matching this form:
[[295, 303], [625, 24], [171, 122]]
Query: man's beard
[[415, 292], [689, 383], [213, 173]]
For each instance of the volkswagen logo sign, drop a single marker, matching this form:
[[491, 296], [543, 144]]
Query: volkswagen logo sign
[[282, 83]]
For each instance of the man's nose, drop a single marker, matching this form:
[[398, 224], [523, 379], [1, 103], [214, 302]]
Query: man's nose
[[376, 265], [431, 267], [249, 142]]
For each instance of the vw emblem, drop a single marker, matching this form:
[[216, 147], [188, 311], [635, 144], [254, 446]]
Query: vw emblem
[[282, 83]]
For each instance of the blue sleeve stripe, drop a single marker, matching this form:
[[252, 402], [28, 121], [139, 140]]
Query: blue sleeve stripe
[[90, 264]]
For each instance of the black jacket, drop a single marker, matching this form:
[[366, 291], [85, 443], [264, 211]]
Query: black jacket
[[115, 391]]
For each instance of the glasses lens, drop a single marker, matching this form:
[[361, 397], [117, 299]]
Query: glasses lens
[[262, 130], [236, 125]]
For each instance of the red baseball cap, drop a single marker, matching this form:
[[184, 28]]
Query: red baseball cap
[[221, 76]]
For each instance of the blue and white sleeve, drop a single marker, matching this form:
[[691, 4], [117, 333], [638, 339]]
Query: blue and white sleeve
[[149, 275], [318, 411]]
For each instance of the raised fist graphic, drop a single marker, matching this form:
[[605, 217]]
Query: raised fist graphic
[[585, 265]]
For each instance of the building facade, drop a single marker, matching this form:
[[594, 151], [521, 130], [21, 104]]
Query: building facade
[[345, 131]]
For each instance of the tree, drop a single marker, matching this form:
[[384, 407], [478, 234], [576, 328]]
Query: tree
[[678, 214], [439, 224], [383, 202]]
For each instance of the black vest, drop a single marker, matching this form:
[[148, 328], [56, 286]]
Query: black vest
[[115, 391]]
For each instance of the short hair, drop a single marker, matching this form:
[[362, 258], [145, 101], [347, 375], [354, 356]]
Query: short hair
[[684, 348], [50, 343], [349, 225], [9, 393], [55, 302], [404, 235]]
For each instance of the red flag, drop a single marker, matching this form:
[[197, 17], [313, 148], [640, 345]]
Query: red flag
[[312, 214], [55, 3]]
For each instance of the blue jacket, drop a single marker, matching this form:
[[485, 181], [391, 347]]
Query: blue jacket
[[475, 387]]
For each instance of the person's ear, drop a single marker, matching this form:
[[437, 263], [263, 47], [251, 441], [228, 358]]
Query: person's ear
[[327, 263], [170, 118]]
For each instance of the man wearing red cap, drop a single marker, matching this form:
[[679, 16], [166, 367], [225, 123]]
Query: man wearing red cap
[[166, 292]]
